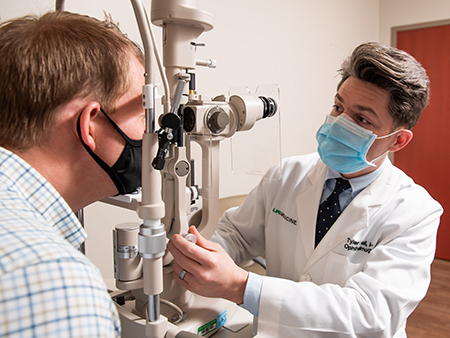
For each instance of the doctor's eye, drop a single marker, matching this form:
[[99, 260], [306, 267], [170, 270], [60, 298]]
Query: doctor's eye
[[363, 120], [337, 108]]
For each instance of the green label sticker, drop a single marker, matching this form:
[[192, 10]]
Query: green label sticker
[[207, 328], [214, 324]]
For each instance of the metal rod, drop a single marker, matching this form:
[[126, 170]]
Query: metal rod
[[153, 308], [60, 5]]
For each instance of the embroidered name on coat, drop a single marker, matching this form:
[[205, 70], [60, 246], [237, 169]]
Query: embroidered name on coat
[[286, 218], [353, 245]]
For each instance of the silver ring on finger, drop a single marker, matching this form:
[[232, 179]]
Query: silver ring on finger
[[182, 274]]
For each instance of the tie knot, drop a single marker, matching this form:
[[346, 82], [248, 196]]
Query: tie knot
[[341, 185]]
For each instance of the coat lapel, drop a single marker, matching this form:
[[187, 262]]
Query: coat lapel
[[354, 218], [307, 206]]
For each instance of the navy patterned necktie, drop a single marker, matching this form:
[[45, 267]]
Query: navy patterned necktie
[[330, 210]]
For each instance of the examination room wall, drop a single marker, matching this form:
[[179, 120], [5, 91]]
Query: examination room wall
[[297, 44]]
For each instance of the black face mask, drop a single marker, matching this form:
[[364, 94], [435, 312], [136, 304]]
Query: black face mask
[[126, 172]]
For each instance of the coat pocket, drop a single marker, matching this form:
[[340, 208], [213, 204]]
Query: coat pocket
[[339, 269]]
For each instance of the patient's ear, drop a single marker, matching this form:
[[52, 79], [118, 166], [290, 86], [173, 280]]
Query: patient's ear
[[87, 125], [404, 136]]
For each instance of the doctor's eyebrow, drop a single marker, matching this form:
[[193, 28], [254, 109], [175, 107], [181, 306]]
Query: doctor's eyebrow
[[358, 107]]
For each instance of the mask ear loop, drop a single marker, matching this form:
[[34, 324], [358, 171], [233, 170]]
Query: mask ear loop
[[117, 182], [387, 151], [376, 159], [134, 143], [385, 136]]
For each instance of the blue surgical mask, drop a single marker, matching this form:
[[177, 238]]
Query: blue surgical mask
[[343, 145]]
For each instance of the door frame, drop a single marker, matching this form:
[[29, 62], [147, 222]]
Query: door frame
[[396, 29]]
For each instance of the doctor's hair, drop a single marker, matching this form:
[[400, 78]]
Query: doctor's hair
[[48, 61], [395, 71]]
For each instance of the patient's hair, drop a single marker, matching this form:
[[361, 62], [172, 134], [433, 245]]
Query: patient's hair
[[47, 61], [395, 71]]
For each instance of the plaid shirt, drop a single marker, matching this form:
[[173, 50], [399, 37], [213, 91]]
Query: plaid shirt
[[47, 287]]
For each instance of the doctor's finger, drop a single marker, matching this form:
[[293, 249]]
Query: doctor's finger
[[191, 280], [185, 262], [191, 250], [181, 275], [202, 241]]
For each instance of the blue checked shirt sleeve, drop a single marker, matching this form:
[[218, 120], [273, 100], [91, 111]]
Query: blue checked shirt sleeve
[[47, 287], [62, 298]]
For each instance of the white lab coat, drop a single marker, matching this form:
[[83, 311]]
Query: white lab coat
[[367, 274]]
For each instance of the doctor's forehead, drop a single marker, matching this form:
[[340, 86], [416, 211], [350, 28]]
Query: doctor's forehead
[[363, 96]]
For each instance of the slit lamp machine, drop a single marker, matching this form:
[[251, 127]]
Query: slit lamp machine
[[150, 303]]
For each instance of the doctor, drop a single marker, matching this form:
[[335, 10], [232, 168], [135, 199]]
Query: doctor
[[358, 270]]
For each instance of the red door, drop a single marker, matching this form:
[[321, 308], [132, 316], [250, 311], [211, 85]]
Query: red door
[[427, 158]]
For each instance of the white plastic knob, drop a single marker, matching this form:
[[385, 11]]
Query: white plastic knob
[[190, 238]]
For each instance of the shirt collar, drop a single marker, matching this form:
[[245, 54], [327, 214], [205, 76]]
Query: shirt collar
[[361, 182], [18, 176]]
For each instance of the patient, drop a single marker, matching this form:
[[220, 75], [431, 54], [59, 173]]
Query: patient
[[71, 124]]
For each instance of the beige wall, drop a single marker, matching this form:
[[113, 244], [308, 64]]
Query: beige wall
[[297, 44]]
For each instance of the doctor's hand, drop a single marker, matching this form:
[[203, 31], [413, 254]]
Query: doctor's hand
[[210, 272]]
